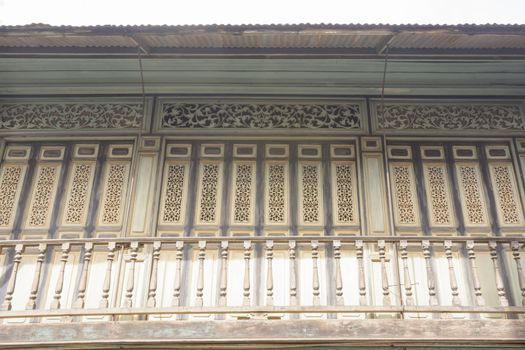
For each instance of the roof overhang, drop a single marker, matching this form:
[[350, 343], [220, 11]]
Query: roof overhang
[[366, 41]]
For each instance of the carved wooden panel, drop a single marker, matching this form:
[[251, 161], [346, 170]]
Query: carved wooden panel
[[440, 207], [174, 189], [11, 181], [43, 194], [506, 192], [276, 193], [404, 194], [243, 193], [210, 190], [344, 192], [114, 193], [310, 193], [472, 194], [70, 116], [78, 192], [207, 115], [446, 116]]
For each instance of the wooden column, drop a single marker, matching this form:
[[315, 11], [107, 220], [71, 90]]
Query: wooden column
[[152, 289], [36, 277], [88, 251], [55, 304], [6, 305]]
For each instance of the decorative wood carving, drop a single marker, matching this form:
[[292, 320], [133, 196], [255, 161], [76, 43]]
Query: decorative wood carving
[[70, 116], [450, 116], [259, 115]]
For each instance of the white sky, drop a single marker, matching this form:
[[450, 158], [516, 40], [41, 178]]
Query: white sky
[[92, 12]]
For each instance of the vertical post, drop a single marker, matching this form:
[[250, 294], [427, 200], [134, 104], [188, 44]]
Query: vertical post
[[293, 277], [36, 277], [361, 272], [178, 273], [269, 273], [339, 300], [409, 299], [499, 280], [104, 302], [246, 284], [88, 251], [315, 273], [134, 246], [384, 275], [515, 245], [224, 273], [55, 304], [431, 283], [451, 273], [152, 290], [477, 285], [6, 305], [200, 277]]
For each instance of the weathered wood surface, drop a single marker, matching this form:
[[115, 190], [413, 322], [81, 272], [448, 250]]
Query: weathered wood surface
[[261, 333]]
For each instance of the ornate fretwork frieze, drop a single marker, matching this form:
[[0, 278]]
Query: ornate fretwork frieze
[[70, 116], [259, 115], [413, 116]]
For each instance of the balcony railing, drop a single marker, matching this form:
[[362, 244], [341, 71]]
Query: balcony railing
[[261, 277]]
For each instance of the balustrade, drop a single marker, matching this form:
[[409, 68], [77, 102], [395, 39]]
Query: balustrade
[[359, 275]]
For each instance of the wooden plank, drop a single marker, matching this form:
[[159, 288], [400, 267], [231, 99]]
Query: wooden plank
[[258, 333]]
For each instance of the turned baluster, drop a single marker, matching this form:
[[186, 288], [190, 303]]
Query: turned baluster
[[515, 245], [36, 277], [475, 277], [152, 290], [451, 273], [178, 273], [104, 302], [6, 305], [293, 276], [200, 277], [246, 284], [339, 300], [361, 272], [224, 274], [409, 300], [384, 274], [88, 251], [130, 286], [431, 283], [499, 280], [55, 304], [315, 273], [269, 273]]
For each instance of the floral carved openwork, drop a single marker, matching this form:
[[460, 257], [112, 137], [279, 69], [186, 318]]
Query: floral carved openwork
[[70, 116], [450, 116], [235, 115]]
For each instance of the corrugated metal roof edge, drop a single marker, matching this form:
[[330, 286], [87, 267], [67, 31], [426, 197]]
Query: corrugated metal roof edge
[[121, 29]]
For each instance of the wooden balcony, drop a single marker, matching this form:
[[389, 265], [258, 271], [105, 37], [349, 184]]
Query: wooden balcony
[[440, 290]]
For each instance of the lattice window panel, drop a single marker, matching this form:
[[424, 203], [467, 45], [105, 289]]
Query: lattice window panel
[[506, 192], [114, 193], [344, 192], [243, 196], [438, 194], [209, 196], [406, 208], [276, 193], [174, 188], [78, 193], [310, 193], [11, 180], [43, 195], [472, 194]]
